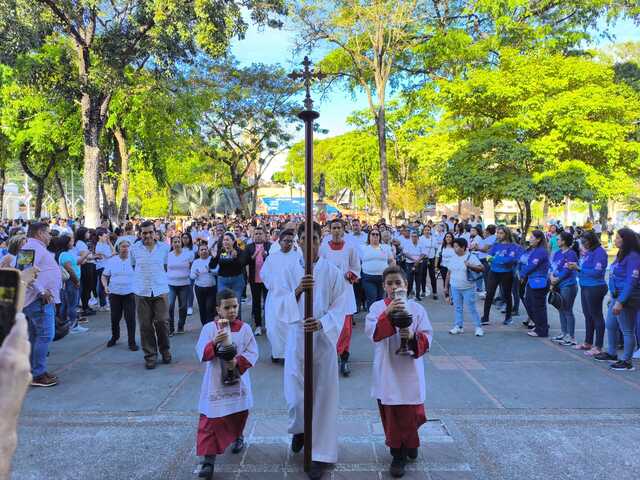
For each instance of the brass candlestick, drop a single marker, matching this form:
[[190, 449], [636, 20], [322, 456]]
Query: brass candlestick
[[402, 319]]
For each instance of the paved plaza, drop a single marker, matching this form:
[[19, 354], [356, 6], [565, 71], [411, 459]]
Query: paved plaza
[[505, 406]]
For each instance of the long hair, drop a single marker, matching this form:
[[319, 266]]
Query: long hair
[[630, 243], [542, 239], [508, 238]]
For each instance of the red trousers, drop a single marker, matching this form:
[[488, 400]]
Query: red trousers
[[401, 424], [344, 340], [216, 434]]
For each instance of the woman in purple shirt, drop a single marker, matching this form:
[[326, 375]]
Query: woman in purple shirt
[[564, 280]]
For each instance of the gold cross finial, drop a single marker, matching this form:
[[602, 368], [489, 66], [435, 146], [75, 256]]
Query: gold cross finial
[[307, 75]]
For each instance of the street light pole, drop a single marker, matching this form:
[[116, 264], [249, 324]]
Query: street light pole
[[308, 115]]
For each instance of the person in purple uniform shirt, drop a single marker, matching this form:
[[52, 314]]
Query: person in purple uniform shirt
[[533, 272], [623, 308], [593, 288], [563, 279], [40, 299]]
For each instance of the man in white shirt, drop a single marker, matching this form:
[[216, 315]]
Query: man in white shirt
[[149, 260]]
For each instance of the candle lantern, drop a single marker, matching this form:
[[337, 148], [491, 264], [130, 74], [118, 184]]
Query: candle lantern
[[402, 319]]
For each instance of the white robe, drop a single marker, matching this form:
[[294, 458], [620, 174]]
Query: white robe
[[347, 260], [216, 399], [280, 275], [329, 295], [397, 379]]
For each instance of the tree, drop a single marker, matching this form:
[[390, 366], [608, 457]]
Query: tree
[[542, 124], [379, 44], [248, 122], [109, 36]]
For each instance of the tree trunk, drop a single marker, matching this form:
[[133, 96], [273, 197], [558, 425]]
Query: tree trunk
[[62, 204], [545, 211], [384, 170], [567, 207], [109, 200], [123, 188], [3, 177], [603, 211], [91, 129], [39, 198], [591, 215], [527, 219]]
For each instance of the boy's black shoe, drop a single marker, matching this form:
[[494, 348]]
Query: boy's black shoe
[[206, 471], [316, 471], [345, 368], [605, 357], [485, 321], [397, 467], [238, 445], [622, 366], [412, 453], [297, 442]]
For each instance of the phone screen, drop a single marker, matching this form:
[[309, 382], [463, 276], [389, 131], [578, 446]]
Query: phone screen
[[8, 295], [25, 259]]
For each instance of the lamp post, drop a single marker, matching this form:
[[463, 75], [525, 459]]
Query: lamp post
[[308, 115]]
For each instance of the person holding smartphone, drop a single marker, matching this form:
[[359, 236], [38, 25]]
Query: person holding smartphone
[[40, 299]]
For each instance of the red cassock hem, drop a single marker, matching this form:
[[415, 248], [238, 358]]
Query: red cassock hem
[[216, 434], [384, 328], [344, 340], [401, 424], [242, 364], [419, 344]]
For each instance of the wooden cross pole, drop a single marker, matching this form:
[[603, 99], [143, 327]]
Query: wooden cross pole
[[308, 115]]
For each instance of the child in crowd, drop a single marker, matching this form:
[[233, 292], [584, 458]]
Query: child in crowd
[[224, 406], [398, 380]]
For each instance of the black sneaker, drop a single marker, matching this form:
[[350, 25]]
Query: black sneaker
[[317, 470], [345, 368], [238, 445], [623, 366], [412, 453], [485, 321], [297, 442], [397, 467], [507, 321], [206, 471], [605, 357]]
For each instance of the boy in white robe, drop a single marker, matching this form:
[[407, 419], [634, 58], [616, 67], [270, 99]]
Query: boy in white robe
[[344, 255], [280, 274], [224, 409], [329, 294], [398, 380]]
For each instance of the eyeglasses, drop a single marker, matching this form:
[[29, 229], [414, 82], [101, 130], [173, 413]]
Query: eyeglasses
[[374, 234]]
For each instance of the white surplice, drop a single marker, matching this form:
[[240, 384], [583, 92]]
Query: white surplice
[[397, 379], [281, 275], [347, 260], [216, 399], [329, 296]]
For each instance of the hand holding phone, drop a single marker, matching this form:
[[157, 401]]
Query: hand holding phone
[[11, 299]]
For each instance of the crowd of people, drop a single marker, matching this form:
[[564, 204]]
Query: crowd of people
[[143, 270]]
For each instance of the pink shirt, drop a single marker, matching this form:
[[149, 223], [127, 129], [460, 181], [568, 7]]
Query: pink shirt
[[49, 277], [259, 262]]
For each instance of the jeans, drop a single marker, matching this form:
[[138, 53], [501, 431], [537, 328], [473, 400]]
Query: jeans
[[206, 297], [180, 292], [464, 298], [372, 285], [485, 275], [233, 283], [535, 301], [190, 295], [258, 297], [42, 328], [505, 279], [626, 321], [69, 307], [123, 304], [592, 299], [515, 293], [567, 318], [102, 296]]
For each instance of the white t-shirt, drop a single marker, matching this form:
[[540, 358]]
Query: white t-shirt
[[104, 249], [121, 275], [375, 260], [447, 254], [412, 252], [179, 268], [429, 246], [458, 270]]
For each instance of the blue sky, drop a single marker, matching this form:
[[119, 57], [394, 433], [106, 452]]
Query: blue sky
[[265, 45]]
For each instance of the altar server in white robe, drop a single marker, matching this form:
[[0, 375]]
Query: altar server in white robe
[[329, 296], [281, 275], [398, 380], [344, 255], [224, 409]]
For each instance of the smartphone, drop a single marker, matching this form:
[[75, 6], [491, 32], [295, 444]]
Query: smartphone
[[11, 299], [25, 259]]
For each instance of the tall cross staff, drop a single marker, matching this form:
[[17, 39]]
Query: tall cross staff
[[308, 115]]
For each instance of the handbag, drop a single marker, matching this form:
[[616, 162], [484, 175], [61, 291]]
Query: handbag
[[633, 301], [555, 298], [65, 275], [472, 275]]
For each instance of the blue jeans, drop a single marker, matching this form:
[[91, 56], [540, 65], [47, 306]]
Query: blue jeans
[[465, 298], [567, 318], [626, 321], [190, 295], [42, 328], [69, 307], [181, 292], [535, 301], [372, 285], [592, 299], [233, 283]]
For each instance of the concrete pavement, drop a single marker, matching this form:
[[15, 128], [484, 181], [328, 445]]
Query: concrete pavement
[[505, 406]]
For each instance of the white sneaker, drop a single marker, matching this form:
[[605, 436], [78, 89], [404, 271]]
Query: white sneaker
[[479, 332], [78, 329], [93, 302], [189, 311], [482, 295], [456, 330], [104, 309], [258, 331], [636, 354]]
